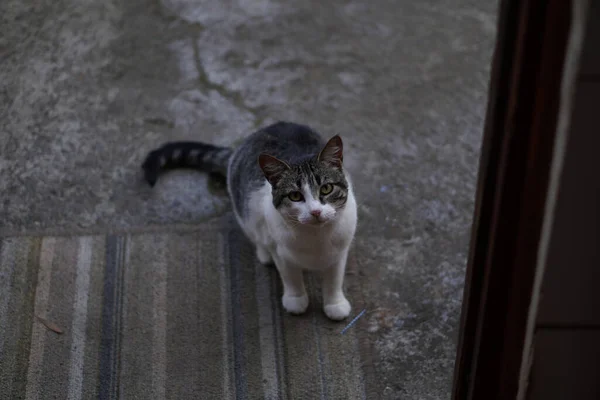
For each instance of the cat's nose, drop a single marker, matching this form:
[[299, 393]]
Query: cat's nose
[[315, 213]]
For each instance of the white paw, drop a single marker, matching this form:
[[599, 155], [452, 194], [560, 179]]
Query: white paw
[[295, 304], [338, 311], [263, 256]]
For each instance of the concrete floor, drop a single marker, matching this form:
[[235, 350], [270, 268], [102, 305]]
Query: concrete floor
[[88, 87]]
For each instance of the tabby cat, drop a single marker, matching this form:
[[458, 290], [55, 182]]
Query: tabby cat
[[292, 198]]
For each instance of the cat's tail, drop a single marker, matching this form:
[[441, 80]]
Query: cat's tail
[[196, 155]]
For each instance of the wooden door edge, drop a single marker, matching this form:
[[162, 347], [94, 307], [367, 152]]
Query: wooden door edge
[[517, 152]]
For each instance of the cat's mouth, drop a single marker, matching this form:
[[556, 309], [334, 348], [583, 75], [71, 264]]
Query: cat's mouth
[[316, 221]]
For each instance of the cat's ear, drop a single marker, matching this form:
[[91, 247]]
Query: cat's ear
[[272, 167], [333, 152]]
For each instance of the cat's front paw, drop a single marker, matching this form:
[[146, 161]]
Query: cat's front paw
[[295, 304], [338, 311]]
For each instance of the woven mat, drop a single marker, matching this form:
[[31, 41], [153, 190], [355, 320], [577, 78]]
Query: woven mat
[[177, 315]]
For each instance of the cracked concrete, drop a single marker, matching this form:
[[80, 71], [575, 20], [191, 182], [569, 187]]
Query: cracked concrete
[[87, 88]]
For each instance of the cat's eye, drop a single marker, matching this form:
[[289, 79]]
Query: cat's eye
[[327, 188], [295, 196]]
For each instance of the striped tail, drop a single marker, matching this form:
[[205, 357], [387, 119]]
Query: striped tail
[[196, 155]]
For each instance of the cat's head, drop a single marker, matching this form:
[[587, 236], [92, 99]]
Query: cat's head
[[312, 192]]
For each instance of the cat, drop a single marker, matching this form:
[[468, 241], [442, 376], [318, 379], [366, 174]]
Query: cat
[[292, 198]]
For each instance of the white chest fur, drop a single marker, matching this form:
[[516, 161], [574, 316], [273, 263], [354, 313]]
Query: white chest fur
[[313, 248], [307, 247]]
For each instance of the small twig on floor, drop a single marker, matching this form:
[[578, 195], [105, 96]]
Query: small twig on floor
[[353, 321], [50, 325]]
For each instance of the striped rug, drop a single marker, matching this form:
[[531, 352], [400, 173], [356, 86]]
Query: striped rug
[[173, 314]]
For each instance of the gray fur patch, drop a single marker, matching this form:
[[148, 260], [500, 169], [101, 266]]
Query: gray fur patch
[[315, 174], [176, 154], [299, 147]]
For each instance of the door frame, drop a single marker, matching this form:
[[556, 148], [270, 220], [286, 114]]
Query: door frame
[[514, 175]]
